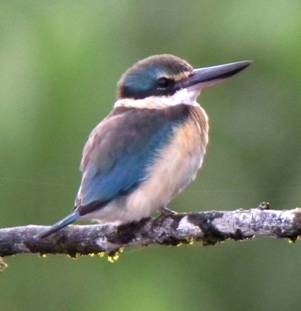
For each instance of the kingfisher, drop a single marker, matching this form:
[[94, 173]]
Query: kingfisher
[[152, 144]]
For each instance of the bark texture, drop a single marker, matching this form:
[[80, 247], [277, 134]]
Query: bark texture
[[172, 229]]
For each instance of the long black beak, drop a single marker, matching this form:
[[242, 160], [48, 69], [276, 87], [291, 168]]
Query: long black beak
[[209, 76]]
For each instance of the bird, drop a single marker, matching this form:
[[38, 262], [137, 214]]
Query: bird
[[152, 144]]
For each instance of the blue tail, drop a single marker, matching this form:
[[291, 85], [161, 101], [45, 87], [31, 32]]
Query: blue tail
[[60, 224]]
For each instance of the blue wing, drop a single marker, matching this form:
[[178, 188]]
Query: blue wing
[[117, 156], [120, 150]]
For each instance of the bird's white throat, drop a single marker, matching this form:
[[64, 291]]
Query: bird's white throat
[[187, 96]]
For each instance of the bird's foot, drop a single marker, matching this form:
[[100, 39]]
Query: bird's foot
[[165, 211]]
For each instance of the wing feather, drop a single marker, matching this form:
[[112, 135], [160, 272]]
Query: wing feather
[[119, 151]]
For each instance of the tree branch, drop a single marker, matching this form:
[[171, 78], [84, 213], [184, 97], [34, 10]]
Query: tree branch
[[209, 227]]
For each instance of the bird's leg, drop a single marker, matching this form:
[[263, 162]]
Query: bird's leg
[[165, 211]]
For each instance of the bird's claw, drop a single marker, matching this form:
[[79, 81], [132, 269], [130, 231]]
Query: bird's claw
[[165, 211]]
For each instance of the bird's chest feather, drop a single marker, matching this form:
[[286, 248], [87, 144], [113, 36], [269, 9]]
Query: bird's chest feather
[[176, 164]]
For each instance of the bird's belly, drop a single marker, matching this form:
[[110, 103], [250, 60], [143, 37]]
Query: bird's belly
[[175, 167]]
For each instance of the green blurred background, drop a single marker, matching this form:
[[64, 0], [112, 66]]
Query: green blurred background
[[59, 64]]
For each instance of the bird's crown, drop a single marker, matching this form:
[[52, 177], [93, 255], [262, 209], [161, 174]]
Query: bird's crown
[[153, 76]]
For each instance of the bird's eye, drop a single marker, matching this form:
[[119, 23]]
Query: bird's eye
[[164, 83]]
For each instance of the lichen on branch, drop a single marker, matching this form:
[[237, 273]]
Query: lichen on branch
[[209, 227]]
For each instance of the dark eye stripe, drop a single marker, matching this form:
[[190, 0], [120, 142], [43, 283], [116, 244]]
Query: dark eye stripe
[[165, 82]]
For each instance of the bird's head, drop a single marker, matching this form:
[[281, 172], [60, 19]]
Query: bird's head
[[166, 75]]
